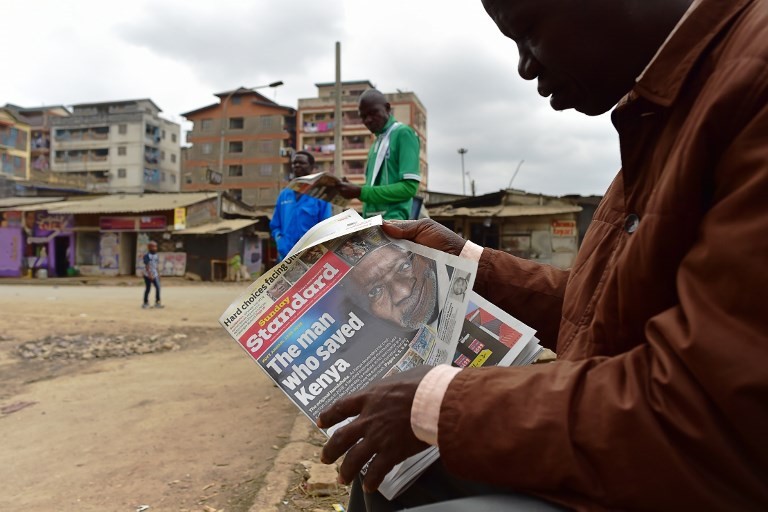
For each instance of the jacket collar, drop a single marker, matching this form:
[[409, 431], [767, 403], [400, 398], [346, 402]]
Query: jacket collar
[[389, 123], [664, 77]]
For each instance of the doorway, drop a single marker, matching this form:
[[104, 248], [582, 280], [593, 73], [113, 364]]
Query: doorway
[[61, 255]]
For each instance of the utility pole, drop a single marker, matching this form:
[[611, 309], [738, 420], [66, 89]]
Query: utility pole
[[462, 152], [337, 116], [515, 175]]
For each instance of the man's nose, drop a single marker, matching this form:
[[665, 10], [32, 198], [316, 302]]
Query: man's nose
[[528, 67], [401, 288]]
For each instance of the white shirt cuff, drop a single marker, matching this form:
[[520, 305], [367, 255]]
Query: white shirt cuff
[[471, 251], [425, 411]]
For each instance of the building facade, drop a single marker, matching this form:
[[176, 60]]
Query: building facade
[[14, 145], [315, 127], [531, 226], [246, 141], [119, 146], [108, 235]]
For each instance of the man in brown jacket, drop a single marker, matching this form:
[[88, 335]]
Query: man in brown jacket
[[659, 399]]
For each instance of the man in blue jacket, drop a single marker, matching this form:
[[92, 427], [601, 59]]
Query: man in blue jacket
[[296, 213]]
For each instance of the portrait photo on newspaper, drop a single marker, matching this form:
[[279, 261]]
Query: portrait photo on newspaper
[[353, 310]]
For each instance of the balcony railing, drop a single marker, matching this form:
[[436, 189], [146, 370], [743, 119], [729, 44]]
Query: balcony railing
[[324, 148]]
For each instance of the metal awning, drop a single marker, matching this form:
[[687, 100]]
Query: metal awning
[[218, 228], [504, 211], [125, 203], [12, 202]]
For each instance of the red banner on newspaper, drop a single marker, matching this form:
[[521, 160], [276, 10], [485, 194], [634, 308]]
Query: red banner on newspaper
[[318, 280]]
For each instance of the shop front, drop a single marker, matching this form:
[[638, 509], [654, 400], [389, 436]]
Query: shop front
[[38, 243]]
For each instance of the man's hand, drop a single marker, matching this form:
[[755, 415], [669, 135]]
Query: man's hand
[[382, 428], [347, 190], [426, 232]]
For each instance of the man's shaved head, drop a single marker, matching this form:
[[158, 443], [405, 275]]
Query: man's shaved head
[[374, 110], [373, 97]]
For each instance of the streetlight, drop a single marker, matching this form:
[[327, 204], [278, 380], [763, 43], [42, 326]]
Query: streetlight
[[462, 152], [224, 105]]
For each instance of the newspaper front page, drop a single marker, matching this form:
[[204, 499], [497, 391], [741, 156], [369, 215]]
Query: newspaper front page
[[356, 307], [321, 185]]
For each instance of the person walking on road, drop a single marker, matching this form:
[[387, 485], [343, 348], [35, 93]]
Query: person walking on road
[[151, 275]]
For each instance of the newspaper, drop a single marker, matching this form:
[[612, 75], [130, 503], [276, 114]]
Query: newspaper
[[349, 306], [321, 185], [489, 337]]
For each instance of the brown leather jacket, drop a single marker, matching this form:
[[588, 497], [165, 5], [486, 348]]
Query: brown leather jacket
[[660, 398]]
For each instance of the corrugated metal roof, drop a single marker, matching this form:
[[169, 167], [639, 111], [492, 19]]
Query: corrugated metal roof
[[218, 228], [124, 203], [504, 211], [10, 202]]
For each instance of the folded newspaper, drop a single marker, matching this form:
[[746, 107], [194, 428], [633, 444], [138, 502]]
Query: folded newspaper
[[349, 306], [321, 185]]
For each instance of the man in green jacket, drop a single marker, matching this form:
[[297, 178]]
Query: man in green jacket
[[392, 174]]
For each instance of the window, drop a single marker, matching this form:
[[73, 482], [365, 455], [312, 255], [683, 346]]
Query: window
[[121, 173], [236, 100], [235, 170], [207, 148], [237, 193], [188, 178], [162, 155], [173, 137], [265, 146], [162, 176], [87, 248], [173, 158], [163, 135], [121, 151], [266, 121], [206, 124], [173, 179], [265, 169], [122, 129], [236, 146], [236, 123]]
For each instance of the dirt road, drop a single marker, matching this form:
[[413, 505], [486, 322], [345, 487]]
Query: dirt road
[[175, 430]]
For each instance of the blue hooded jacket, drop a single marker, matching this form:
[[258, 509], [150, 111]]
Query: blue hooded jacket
[[294, 215]]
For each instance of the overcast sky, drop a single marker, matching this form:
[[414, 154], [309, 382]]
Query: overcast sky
[[178, 53]]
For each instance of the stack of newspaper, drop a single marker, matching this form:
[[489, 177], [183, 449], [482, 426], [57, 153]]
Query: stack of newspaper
[[349, 306], [321, 185]]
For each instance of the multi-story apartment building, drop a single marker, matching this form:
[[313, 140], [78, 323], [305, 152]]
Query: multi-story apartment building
[[14, 144], [316, 124], [118, 146], [40, 174], [248, 139]]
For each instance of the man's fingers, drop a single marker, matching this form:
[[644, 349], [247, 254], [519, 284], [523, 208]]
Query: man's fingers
[[400, 228], [341, 441], [355, 459], [377, 470], [341, 410]]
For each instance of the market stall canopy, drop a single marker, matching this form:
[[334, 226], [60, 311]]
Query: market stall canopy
[[15, 202], [218, 228], [121, 203], [502, 211]]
